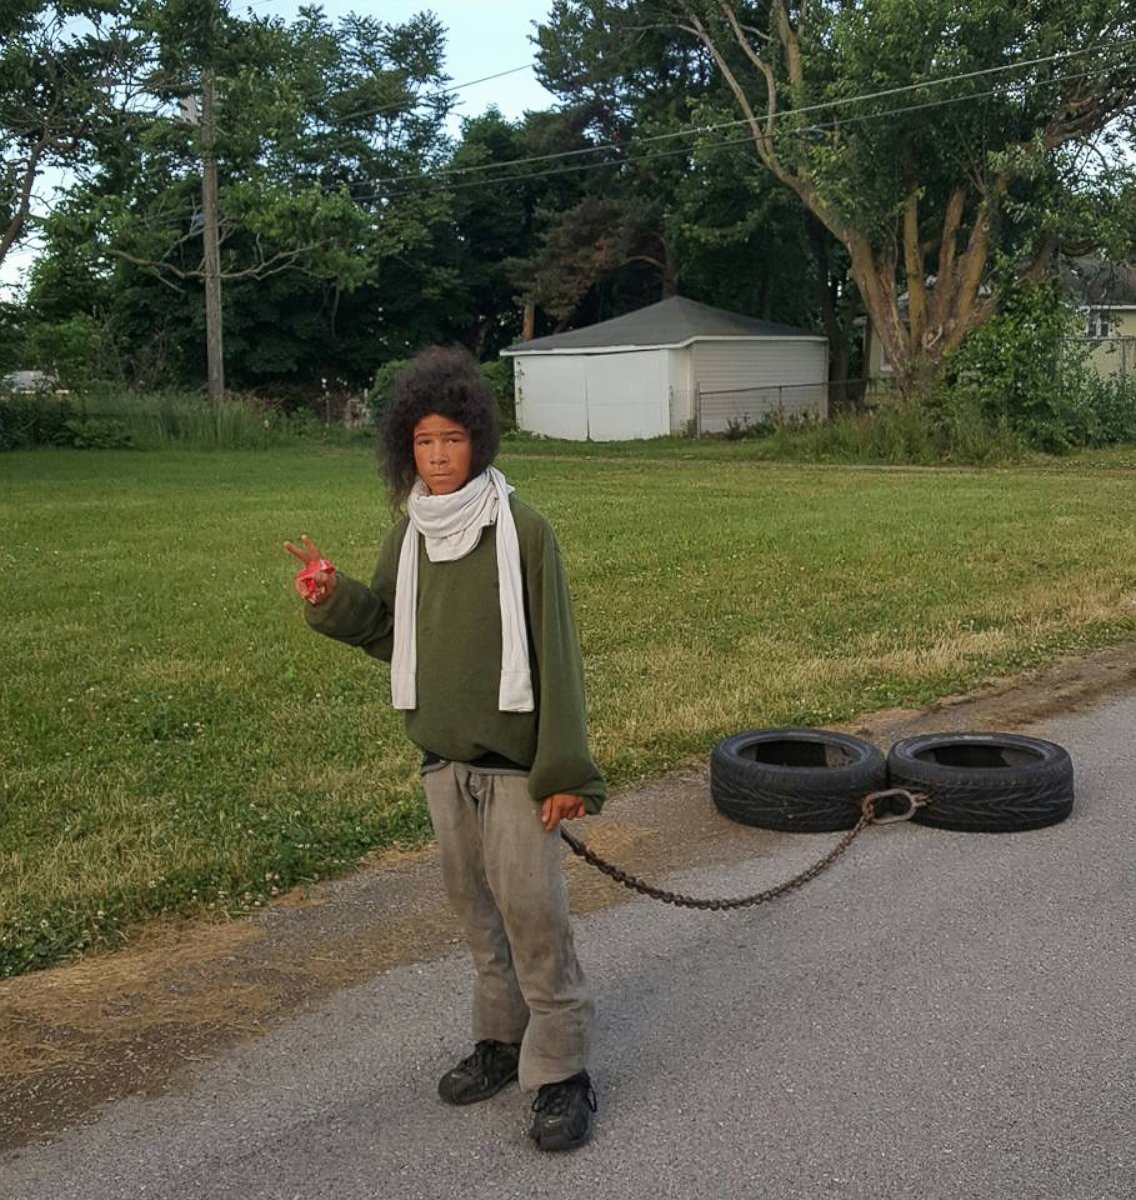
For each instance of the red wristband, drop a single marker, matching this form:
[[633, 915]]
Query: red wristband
[[306, 577]]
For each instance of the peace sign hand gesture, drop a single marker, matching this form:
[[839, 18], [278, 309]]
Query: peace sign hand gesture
[[315, 580]]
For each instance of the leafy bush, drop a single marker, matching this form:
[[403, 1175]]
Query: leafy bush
[[89, 433], [1111, 411], [79, 351], [112, 418], [33, 419], [1022, 371], [897, 430], [737, 429], [381, 389], [498, 375]]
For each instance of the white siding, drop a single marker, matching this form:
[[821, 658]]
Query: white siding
[[627, 395], [747, 380], [681, 364], [605, 397], [550, 393]]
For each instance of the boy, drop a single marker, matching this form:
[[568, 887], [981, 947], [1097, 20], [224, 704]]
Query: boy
[[469, 605]]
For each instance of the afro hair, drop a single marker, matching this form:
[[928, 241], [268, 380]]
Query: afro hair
[[445, 381]]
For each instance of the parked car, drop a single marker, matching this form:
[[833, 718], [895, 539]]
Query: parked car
[[31, 381]]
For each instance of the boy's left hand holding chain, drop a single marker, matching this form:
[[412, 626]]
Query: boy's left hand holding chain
[[554, 809]]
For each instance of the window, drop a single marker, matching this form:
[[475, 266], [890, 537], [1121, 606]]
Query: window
[[1098, 323]]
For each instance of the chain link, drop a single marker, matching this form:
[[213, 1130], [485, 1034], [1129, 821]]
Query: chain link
[[868, 817]]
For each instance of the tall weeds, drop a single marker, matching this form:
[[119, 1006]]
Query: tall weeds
[[109, 418]]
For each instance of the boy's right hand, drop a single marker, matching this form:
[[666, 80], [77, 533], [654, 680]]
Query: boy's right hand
[[323, 582]]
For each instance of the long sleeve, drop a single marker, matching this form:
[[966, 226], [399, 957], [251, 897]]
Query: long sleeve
[[359, 615], [562, 762], [459, 656]]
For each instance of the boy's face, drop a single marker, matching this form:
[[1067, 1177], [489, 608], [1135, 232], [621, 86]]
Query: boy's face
[[442, 453]]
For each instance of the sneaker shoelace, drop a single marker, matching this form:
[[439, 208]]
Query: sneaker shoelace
[[485, 1055], [555, 1098]]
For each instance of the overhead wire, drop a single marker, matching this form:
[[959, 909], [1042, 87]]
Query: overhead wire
[[458, 87], [449, 91], [824, 105], [630, 156], [628, 151]]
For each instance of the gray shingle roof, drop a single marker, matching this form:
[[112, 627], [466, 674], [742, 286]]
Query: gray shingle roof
[[1096, 283], [671, 322]]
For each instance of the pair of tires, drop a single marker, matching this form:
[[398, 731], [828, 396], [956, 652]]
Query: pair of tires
[[814, 780]]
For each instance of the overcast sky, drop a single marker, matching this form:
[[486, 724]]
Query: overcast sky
[[483, 38]]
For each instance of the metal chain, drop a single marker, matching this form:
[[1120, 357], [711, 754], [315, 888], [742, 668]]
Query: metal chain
[[915, 801]]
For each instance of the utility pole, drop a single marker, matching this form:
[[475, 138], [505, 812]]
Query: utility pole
[[215, 365]]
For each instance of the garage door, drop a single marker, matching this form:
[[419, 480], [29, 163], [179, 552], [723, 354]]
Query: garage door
[[627, 395]]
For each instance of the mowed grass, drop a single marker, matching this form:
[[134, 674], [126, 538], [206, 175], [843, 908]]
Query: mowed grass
[[175, 740]]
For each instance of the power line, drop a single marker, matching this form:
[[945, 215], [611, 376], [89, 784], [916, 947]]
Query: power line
[[693, 131], [457, 87], [838, 102], [371, 112], [397, 107], [630, 157]]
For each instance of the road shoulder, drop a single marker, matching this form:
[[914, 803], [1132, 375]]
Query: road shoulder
[[143, 1020]]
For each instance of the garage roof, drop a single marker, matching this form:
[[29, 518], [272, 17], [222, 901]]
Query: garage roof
[[1094, 283], [670, 323]]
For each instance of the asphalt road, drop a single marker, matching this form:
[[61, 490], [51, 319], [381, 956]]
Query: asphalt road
[[942, 1016]]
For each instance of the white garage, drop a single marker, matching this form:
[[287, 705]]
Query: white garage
[[670, 368]]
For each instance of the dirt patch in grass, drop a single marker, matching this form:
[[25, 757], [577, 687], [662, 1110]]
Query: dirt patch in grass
[[138, 1022]]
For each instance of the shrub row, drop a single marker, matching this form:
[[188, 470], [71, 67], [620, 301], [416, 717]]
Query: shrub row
[[119, 420]]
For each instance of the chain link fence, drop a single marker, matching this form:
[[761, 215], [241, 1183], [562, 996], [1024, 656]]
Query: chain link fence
[[736, 409]]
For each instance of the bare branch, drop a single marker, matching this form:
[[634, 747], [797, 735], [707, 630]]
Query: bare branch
[[790, 43], [280, 261], [760, 63], [1042, 259], [761, 138], [646, 258], [24, 205], [945, 281], [152, 267], [912, 253], [273, 266]]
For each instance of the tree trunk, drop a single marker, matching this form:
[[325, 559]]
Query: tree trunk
[[670, 275], [938, 319], [481, 336], [214, 354], [837, 343]]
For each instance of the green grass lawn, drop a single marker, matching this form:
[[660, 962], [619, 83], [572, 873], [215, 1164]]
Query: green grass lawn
[[175, 740]]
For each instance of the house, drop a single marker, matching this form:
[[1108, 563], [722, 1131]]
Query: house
[[1106, 293], [670, 368]]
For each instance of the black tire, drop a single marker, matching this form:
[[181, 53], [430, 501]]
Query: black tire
[[795, 780], [985, 782]]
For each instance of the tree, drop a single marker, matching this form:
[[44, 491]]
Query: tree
[[612, 246], [927, 186], [65, 70], [321, 130], [505, 177], [683, 203]]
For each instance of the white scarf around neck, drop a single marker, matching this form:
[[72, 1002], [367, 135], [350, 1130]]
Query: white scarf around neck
[[452, 525]]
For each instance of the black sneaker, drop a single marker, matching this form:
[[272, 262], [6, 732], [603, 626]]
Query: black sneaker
[[484, 1073], [562, 1113]]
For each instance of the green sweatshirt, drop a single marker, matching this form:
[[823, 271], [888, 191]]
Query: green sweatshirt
[[459, 655]]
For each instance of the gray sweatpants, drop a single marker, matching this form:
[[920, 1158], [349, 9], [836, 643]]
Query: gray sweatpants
[[503, 875]]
